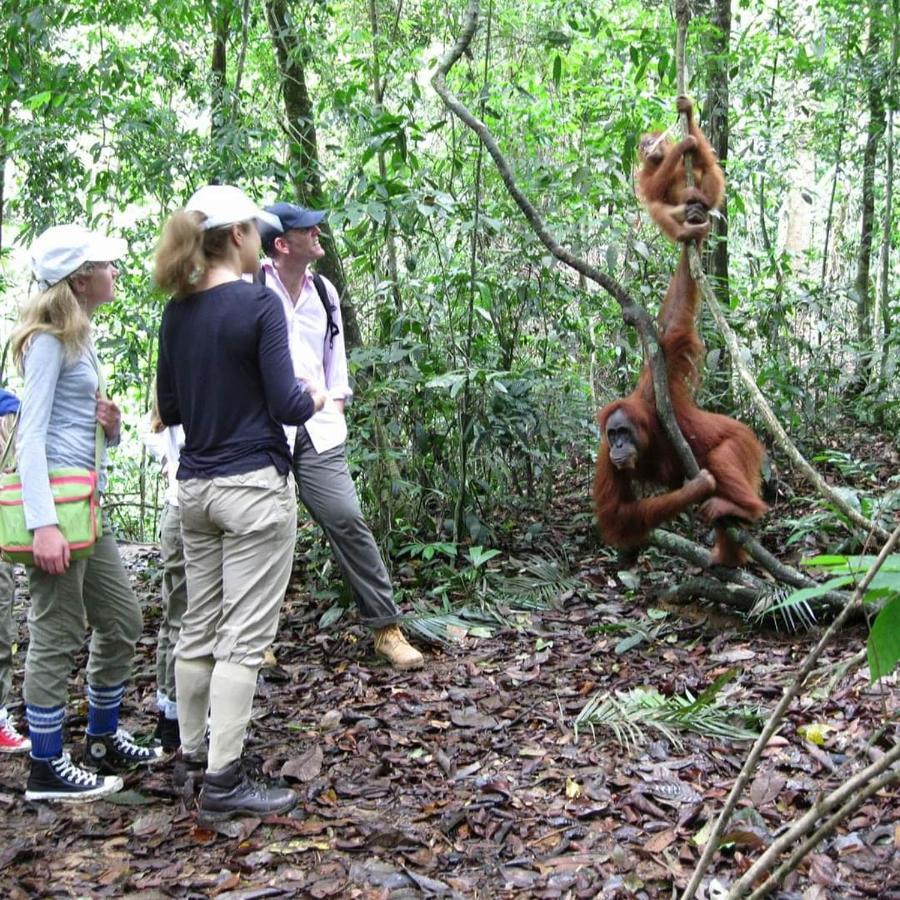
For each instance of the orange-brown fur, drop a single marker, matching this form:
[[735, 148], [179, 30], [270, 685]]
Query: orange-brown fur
[[680, 211], [727, 449]]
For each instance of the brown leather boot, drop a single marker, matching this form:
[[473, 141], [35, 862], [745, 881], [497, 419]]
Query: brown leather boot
[[391, 644]]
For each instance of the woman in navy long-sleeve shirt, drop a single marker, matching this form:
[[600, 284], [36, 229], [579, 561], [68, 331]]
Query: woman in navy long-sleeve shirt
[[225, 374]]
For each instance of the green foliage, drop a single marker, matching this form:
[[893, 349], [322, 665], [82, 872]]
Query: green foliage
[[106, 116], [883, 645], [635, 631]]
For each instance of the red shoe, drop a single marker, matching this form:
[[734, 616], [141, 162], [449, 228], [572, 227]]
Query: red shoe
[[10, 739]]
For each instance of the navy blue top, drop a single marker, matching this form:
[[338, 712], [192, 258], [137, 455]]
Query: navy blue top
[[225, 373]]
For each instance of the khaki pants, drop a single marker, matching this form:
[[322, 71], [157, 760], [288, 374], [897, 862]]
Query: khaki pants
[[7, 628], [95, 590], [239, 533], [174, 598]]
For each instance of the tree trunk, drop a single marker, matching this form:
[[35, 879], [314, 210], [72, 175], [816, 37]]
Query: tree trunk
[[874, 132], [291, 51], [829, 219], [882, 318], [717, 131], [6, 111], [220, 16], [378, 92]]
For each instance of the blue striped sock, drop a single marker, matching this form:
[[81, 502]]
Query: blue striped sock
[[103, 708], [45, 725]]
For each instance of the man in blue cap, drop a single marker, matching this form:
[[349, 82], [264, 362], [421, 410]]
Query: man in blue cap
[[10, 739], [313, 313]]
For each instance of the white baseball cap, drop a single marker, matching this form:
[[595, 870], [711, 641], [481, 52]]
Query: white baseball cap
[[224, 204], [60, 250]]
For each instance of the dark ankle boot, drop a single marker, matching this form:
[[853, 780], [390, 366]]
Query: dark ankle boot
[[232, 792], [167, 733], [188, 767]]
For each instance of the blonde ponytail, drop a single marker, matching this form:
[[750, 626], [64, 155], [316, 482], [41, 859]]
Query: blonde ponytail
[[186, 249], [180, 260]]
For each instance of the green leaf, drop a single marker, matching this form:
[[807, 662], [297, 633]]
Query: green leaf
[[478, 555], [452, 380], [377, 211], [858, 564], [37, 100], [629, 579], [129, 798], [629, 643], [884, 640], [557, 70], [331, 615], [708, 696], [810, 593]]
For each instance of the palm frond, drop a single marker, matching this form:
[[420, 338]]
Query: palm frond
[[629, 716], [795, 613], [447, 627], [537, 584], [634, 631]]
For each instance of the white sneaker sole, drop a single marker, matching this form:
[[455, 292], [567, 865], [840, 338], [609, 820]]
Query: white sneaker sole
[[112, 785]]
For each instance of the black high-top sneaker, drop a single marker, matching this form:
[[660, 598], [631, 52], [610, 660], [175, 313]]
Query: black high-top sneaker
[[111, 753], [232, 792], [60, 779]]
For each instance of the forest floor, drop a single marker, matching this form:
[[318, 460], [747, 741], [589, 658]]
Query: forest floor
[[467, 778]]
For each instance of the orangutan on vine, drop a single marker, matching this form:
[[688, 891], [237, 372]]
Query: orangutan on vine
[[681, 212], [635, 449]]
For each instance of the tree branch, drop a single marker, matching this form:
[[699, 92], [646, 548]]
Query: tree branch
[[849, 796], [632, 313], [777, 715]]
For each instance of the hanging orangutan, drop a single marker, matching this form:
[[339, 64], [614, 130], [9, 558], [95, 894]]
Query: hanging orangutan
[[635, 449], [680, 211]]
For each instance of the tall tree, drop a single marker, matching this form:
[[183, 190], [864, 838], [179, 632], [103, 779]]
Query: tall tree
[[292, 51], [874, 132], [390, 243], [220, 19], [883, 319], [717, 129]]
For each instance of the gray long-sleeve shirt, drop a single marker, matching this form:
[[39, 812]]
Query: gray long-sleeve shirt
[[57, 422]]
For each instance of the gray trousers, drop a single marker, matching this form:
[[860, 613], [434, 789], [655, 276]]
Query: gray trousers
[[95, 590], [7, 628], [328, 492], [174, 598]]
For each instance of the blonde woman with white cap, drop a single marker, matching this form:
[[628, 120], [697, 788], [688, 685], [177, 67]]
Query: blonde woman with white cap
[[61, 410], [225, 374]]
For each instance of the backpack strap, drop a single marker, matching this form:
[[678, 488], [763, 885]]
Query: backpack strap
[[331, 328]]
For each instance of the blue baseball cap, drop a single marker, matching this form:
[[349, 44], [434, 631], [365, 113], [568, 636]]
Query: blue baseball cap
[[290, 216]]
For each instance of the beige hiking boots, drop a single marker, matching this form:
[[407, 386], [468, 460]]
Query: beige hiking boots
[[391, 644]]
